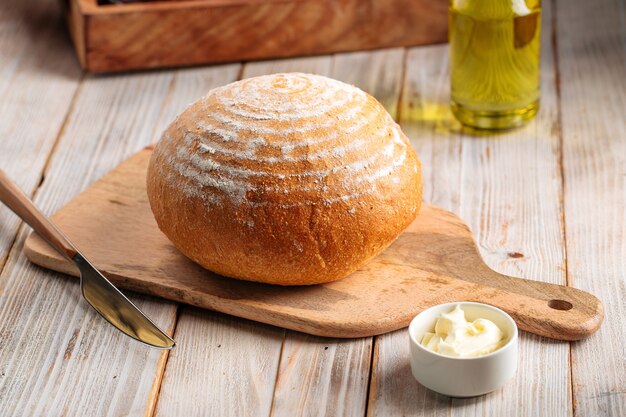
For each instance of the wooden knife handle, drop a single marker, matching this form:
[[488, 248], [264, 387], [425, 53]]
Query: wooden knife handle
[[20, 204]]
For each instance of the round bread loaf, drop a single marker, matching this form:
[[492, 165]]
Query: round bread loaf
[[287, 179]]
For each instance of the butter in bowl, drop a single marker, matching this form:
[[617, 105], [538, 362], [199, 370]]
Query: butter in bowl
[[463, 349]]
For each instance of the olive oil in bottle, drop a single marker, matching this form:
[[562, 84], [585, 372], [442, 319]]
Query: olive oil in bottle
[[494, 61]]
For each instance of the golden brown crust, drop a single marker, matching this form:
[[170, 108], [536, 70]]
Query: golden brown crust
[[287, 179]]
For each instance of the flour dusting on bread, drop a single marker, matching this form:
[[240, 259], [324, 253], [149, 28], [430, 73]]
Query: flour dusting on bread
[[284, 123], [288, 179]]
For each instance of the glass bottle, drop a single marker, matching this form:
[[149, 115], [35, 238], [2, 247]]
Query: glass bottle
[[494, 61]]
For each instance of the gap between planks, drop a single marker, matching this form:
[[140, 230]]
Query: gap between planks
[[154, 394], [167, 404], [19, 61], [42, 174], [280, 358], [103, 93], [557, 81], [79, 315], [592, 61], [376, 73], [483, 212]]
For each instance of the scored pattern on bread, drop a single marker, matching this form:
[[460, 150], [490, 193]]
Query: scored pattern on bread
[[275, 139], [285, 178]]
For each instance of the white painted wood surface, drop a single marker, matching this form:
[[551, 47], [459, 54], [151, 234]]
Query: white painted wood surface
[[221, 367], [507, 188], [253, 356], [32, 108], [529, 195], [57, 356], [225, 366], [320, 376], [309, 382], [591, 41]]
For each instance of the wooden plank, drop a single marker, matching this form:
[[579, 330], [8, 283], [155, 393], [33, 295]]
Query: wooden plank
[[149, 35], [508, 189], [378, 73], [313, 65], [51, 338], [319, 376], [33, 107], [222, 366], [252, 350], [48, 351], [188, 85], [322, 376], [592, 62]]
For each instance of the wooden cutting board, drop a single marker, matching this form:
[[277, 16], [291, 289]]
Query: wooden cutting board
[[434, 261]]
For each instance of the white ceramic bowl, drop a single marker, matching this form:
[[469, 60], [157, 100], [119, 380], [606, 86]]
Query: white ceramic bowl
[[463, 377]]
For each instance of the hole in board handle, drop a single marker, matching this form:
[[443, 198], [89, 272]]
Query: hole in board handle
[[560, 305]]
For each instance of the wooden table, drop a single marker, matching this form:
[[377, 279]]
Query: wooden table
[[546, 202]]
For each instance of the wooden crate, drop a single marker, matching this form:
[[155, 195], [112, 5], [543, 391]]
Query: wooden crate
[[117, 37]]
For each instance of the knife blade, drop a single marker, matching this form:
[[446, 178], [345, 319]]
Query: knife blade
[[97, 290]]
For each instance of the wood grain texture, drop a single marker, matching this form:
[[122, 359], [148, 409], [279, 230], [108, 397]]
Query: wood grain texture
[[38, 79], [221, 367], [53, 343], [15, 199], [435, 260], [197, 400], [508, 189], [315, 65], [203, 330], [148, 35], [592, 62], [319, 376], [378, 73], [322, 376], [56, 359]]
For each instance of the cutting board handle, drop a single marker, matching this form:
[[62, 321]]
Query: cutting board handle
[[550, 310]]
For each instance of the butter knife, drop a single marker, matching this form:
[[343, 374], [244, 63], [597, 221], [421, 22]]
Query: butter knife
[[103, 296]]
